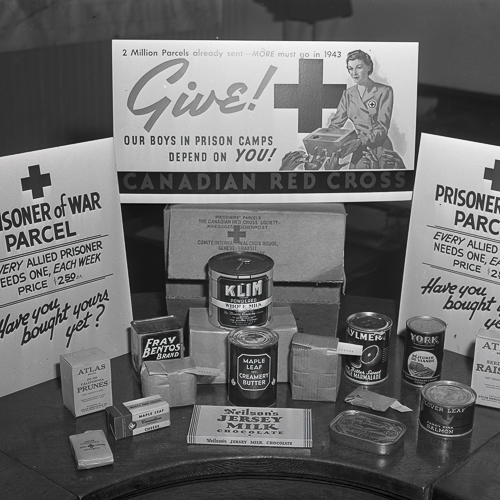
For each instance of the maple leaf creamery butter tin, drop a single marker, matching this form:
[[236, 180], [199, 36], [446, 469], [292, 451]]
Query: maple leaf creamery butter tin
[[253, 366], [447, 408], [372, 331], [240, 289]]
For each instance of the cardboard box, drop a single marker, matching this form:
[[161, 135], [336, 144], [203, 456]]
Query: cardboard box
[[156, 339], [305, 241], [174, 380], [486, 368], [330, 139], [315, 368], [86, 381], [209, 344], [138, 416]]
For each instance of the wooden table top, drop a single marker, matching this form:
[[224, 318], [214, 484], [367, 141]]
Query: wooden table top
[[36, 459]]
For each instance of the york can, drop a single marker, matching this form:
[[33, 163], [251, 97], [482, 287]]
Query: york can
[[240, 289], [252, 366], [447, 408], [372, 331], [424, 346]]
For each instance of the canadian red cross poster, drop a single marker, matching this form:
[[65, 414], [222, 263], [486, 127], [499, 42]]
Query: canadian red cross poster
[[63, 273], [246, 121], [452, 267]]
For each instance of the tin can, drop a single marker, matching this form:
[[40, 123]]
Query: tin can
[[372, 331], [447, 408], [253, 366], [424, 347], [241, 289], [366, 432]]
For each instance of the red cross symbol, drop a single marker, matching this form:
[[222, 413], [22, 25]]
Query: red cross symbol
[[309, 96], [236, 234], [493, 175], [35, 181]]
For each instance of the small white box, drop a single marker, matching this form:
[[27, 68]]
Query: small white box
[[486, 368], [86, 381]]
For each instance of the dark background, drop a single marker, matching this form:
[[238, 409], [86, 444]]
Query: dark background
[[57, 90]]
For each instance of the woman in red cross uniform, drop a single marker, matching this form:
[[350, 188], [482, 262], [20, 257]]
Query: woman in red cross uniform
[[368, 105]]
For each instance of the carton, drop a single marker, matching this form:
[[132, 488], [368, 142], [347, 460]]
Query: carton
[[305, 241], [174, 380], [209, 346], [156, 339], [486, 368], [315, 368], [86, 381], [138, 416]]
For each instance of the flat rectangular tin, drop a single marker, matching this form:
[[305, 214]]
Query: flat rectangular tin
[[366, 432]]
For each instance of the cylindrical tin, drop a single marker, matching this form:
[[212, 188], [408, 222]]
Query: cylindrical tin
[[240, 289], [372, 331], [447, 408], [424, 347], [253, 366]]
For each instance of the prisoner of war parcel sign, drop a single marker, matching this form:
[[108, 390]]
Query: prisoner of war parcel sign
[[63, 273], [247, 121], [452, 268]]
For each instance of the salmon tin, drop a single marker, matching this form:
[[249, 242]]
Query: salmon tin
[[447, 408], [366, 432], [253, 366], [424, 347], [240, 289], [371, 331]]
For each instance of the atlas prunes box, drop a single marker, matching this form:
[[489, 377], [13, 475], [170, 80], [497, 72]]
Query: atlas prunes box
[[306, 243], [86, 381]]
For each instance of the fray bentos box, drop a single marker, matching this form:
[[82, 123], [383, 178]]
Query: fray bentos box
[[156, 339], [248, 426], [306, 243]]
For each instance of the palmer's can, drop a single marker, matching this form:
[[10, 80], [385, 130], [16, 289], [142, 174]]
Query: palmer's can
[[252, 366], [240, 289], [372, 331], [424, 346], [447, 408]]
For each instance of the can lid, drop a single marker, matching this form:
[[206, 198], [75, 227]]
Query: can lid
[[449, 394], [241, 263], [156, 325], [426, 324], [369, 321], [253, 337]]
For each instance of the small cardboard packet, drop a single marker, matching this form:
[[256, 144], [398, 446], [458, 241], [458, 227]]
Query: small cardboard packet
[[91, 449], [174, 380]]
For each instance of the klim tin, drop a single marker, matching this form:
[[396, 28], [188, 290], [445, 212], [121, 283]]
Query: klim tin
[[447, 408], [241, 289], [424, 347], [253, 366], [372, 331]]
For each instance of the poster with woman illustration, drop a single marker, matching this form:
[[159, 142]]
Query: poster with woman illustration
[[246, 121]]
